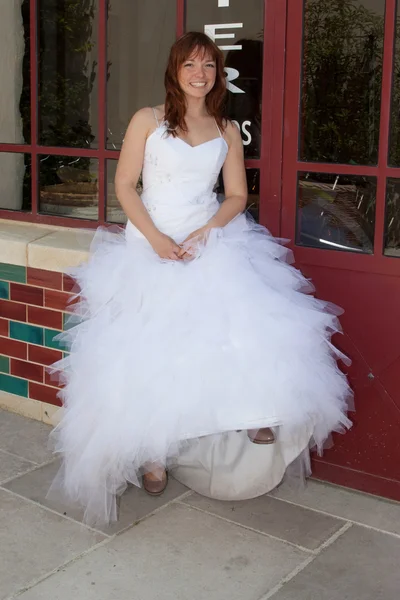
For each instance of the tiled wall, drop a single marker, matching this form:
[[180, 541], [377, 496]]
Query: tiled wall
[[33, 305]]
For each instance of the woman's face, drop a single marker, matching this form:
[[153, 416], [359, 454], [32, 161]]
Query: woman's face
[[197, 75]]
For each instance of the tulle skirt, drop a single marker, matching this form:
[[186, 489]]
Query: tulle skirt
[[163, 352]]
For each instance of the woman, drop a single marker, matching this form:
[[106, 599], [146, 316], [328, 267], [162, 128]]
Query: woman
[[192, 324]]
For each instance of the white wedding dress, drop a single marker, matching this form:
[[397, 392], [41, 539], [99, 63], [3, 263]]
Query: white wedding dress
[[169, 352]]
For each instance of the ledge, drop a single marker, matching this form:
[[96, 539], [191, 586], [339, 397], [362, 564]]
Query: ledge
[[43, 247]]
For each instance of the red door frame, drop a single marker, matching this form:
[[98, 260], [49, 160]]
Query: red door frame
[[377, 412]]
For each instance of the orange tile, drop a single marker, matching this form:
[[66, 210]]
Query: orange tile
[[45, 279], [44, 393], [13, 310], [26, 293], [14, 348], [58, 300], [52, 379], [43, 356], [27, 370], [69, 284], [4, 327], [43, 316]]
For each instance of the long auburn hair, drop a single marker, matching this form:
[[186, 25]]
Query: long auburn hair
[[175, 102]]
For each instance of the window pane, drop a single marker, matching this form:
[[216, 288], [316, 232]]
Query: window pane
[[115, 214], [69, 186], [237, 27], [336, 212], [68, 104], [394, 143], [15, 73], [253, 190], [341, 83], [392, 227], [140, 34], [15, 181]]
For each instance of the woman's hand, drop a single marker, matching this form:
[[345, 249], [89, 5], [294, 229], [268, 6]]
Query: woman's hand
[[189, 247], [165, 247]]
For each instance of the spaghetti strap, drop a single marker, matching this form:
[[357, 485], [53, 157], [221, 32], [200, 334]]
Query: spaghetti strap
[[155, 116], [216, 125]]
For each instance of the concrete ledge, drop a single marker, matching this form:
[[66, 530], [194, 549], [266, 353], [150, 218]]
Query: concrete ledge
[[32, 409], [43, 247]]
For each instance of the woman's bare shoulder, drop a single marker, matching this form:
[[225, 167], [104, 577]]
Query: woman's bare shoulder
[[231, 133]]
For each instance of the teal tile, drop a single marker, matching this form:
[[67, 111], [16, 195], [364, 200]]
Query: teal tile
[[4, 364], [70, 321], [26, 333], [4, 290], [13, 273], [50, 342], [13, 385]]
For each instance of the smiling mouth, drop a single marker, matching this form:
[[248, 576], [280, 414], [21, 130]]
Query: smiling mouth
[[198, 84]]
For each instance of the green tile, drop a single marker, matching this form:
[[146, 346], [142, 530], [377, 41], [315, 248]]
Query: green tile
[[4, 290], [13, 273], [4, 364], [70, 321], [26, 333], [50, 342], [13, 385]]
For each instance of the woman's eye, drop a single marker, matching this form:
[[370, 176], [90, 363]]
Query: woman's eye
[[188, 64], [210, 65]]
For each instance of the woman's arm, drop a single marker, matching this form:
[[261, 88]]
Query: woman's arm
[[235, 183], [128, 172], [129, 168]]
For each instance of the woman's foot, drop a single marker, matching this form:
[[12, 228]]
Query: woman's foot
[[261, 436], [155, 482]]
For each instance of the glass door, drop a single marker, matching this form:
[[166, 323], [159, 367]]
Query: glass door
[[341, 209]]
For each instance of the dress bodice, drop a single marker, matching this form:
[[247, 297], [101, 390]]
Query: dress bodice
[[179, 180]]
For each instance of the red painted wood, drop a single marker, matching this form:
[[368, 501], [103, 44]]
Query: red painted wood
[[27, 370], [52, 379], [366, 286], [45, 279], [12, 310], [43, 356]]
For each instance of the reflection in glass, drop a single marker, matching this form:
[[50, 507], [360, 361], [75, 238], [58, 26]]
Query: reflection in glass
[[114, 213], [68, 104], [394, 131], [15, 73], [392, 220], [239, 27], [68, 186], [342, 78], [15, 181], [336, 212], [140, 34], [253, 190]]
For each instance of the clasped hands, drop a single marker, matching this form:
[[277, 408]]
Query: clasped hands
[[167, 248]]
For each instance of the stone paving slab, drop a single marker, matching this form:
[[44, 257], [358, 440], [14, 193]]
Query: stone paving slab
[[294, 524], [177, 554], [12, 466], [24, 437], [344, 503], [34, 541], [134, 504], [360, 565]]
